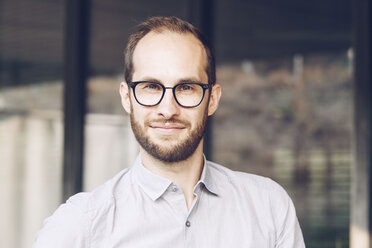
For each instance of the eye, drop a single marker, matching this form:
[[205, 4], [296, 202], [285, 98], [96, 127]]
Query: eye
[[185, 87], [153, 86], [150, 86]]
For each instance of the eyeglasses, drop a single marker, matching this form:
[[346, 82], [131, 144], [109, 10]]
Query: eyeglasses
[[187, 94]]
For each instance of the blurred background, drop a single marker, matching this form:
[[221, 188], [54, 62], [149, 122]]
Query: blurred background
[[286, 71]]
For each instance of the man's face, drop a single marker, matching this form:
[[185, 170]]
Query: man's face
[[168, 131]]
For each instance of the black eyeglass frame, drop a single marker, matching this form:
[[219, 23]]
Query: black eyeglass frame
[[134, 84]]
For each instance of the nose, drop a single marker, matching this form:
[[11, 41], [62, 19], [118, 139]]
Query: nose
[[168, 107]]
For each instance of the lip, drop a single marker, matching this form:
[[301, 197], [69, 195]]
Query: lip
[[167, 128]]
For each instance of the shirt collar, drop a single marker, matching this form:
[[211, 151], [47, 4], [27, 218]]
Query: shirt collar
[[207, 178], [155, 185]]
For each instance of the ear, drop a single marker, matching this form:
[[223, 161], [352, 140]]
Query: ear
[[214, 99], [125, 96]]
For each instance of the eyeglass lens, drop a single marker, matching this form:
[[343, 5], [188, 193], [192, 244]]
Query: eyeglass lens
[[186, 94]]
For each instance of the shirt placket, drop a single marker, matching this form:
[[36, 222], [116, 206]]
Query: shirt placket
[[190, 227], [176, 199]]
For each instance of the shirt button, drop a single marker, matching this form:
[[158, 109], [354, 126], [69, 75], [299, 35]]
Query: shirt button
[[188, 224], [174, 189]]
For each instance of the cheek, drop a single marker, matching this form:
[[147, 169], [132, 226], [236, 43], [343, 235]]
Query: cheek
[[198, 116], [140, 115], [135, 113]]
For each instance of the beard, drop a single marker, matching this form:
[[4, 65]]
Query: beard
[[169, 153]]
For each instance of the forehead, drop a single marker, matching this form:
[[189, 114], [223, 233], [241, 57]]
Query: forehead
[[169, 54]]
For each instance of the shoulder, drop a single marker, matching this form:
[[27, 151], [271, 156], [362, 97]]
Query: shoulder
[[103, 195], [71, 223], [261, 191], [268, 199], [244, 180]]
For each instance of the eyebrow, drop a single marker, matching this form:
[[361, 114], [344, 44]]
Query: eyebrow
[[195, 80], [182, 80]]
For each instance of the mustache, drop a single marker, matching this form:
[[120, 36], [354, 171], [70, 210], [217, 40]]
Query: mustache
[[167, 121]]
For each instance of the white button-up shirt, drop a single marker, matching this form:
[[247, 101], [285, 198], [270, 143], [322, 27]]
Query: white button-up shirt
[[139, 209]]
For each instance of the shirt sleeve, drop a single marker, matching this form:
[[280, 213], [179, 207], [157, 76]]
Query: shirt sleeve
[[288, 230], [67, 227]]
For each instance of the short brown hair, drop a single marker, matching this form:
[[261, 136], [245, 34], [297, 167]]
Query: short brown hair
[[160, 24]]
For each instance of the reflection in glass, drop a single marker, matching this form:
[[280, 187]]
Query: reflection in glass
[[291, 119]]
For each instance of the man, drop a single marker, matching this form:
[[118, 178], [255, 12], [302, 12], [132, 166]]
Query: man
[[172, 196]]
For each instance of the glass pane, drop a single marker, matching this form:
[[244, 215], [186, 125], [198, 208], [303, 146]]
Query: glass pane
[[31, 128], [286, 109], [293, 123]]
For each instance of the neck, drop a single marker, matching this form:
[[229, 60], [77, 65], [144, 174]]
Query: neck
[[185, 173]]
